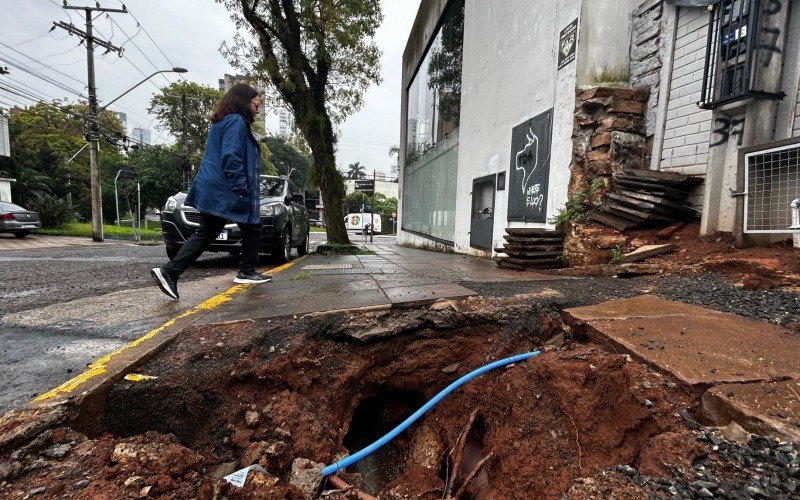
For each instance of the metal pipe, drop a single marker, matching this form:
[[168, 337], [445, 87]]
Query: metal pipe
[[341, 485]]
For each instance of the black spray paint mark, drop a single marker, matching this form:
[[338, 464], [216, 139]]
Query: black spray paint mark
[[726, 129]]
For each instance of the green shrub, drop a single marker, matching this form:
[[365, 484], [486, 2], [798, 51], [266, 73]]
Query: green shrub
[[53, 211], [579, 204], [617, 255]]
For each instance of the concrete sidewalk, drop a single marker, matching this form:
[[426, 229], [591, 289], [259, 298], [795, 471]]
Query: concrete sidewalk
[[394, 276]]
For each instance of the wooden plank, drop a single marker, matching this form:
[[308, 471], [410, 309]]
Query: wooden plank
[[532, 240], [659, 200], [672, 191], [613, 221], [644, 216], [516, 247], [532, 255], [666, 177], [607, 208], [648, 251], [646, 206], [534, 231]]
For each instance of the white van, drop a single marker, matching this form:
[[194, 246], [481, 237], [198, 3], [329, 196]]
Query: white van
[[357, 221]]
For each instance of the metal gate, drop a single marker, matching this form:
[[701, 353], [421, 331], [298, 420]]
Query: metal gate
[[482, 223], [772, 190]]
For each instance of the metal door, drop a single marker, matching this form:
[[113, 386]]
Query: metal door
[[482, 224]]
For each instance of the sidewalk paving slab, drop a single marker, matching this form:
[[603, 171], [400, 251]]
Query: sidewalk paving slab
[[699, 346], [764, 408]]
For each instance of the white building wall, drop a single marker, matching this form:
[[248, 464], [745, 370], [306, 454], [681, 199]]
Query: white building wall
[[509, 75], [687, 127]]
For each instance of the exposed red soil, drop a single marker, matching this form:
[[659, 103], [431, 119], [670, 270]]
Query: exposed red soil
[[762, 267], [268, 394]]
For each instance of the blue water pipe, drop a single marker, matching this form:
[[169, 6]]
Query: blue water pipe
[[355, 457]]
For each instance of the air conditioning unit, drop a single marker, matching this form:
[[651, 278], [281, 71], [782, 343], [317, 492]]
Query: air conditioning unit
[[772, 190]]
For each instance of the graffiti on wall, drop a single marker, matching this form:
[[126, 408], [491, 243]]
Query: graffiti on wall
[[727, 128], [530, 169]]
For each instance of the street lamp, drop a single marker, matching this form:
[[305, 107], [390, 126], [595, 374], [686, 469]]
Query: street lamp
[[94, 150], [173, 70]]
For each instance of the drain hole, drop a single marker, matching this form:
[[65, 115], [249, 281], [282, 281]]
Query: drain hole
[[374, 417]]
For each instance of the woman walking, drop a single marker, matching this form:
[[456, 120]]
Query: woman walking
[[225, 189]]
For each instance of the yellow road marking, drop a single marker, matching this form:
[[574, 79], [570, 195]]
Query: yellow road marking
[[99, 366]]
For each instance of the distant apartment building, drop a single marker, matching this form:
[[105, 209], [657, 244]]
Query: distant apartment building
[[123, 120], [141, 136]]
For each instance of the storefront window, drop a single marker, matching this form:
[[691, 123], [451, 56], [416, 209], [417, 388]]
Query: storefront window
[[434, 96], [434, 105]]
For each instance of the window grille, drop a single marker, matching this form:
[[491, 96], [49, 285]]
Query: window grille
[[771, 184], [736, 38]]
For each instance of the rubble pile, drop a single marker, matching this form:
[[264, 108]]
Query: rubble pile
[[647, 197]]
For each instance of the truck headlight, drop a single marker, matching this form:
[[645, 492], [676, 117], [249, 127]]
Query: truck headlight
[[171, 204], [272, 209]]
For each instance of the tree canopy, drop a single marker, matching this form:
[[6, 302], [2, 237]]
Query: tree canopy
[[356, 171], [319, 57], [43, 137], [287, 159], [200, 102]]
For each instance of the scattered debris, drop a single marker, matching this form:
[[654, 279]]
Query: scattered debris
[[138, 377], [239, 477], [647, 251]]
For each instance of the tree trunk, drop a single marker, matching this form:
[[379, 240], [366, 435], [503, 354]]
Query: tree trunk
[[330, 184]]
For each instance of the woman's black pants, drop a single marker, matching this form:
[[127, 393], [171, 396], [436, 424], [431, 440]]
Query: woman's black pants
[[210, 227]]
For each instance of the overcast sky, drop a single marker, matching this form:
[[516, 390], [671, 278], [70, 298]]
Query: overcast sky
[[189, 33]]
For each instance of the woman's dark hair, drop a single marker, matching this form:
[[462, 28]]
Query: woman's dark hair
[[235, 101]]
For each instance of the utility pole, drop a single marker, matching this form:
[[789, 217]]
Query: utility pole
[[93, 135], [185, 148]]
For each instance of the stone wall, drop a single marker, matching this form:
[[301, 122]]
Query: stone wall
[[646, 58], [609, 135]]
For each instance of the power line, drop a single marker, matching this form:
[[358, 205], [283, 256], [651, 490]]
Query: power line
[[130, 39], [43, 64], [138, 23], [26, 68]]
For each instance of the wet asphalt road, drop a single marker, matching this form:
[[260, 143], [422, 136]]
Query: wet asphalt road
[[63, 307]]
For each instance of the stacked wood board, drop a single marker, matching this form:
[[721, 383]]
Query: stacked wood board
[[529, 248], [647, 198]]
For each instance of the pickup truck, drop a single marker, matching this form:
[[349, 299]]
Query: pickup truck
[[284, 222]]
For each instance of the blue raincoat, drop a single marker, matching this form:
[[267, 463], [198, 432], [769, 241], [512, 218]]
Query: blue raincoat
[[227, 184]]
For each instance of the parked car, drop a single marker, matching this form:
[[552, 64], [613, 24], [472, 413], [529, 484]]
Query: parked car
[[284, 222], [17, 220], [316, 223]]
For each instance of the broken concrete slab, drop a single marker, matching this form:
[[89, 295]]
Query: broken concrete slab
[[416, 294], [699, 346], [647, 251], [765, 408]]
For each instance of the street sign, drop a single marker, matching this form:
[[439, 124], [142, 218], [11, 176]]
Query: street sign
[[127, 174], [365, 186]]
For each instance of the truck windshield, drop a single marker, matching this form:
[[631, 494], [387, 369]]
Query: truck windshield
[[271, 186]]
